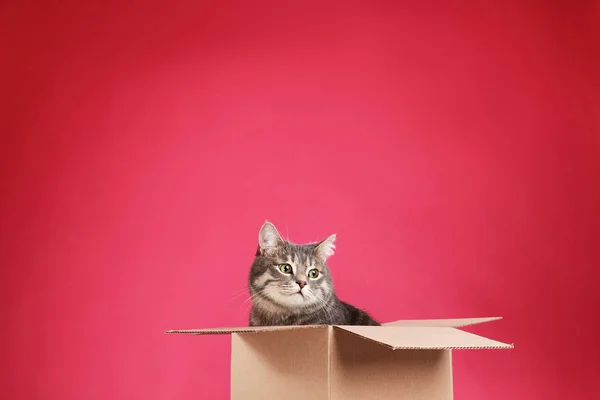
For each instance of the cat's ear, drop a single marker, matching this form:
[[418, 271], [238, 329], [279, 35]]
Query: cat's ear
[[269, 239], [325, 249]]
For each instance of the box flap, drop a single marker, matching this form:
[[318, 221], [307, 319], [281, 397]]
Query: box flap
[[228, 330], [418, 337], [451, 323]]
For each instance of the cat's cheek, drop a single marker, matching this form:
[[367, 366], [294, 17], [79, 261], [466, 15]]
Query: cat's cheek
[[324, 288], [260, 282]]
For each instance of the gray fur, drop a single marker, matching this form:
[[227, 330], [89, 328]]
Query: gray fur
[[277, 297]]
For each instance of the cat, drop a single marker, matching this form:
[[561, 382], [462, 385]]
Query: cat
[[290, 284]]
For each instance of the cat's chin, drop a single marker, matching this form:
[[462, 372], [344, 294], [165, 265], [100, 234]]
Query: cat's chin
[[295, 300]]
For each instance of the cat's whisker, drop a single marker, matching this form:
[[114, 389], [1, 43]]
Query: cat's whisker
[[324, 306], [240, 290], [240, 293], [256, 295], [289, 286]]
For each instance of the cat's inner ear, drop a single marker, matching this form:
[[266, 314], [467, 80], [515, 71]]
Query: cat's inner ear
[[269, 239], [325, 249]]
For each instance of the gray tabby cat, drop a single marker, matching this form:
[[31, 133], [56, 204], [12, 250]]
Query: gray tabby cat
[[290, 284]]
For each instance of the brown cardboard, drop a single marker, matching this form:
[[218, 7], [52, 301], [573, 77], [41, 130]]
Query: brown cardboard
[[451, 323], [290, 364], [365, 370], [408, 359], [426, 338]]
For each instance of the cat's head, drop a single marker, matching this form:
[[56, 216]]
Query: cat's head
[[291, 276]]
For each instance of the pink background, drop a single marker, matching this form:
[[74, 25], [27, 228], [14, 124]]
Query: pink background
[[453, 149]]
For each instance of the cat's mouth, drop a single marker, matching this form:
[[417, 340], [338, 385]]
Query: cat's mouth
[[296, 293]]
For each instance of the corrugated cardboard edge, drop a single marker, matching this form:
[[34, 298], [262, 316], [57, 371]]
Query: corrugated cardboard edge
[[450, 322], [425, 323], [444, 322], [498, 346]]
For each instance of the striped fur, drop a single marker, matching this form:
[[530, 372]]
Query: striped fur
[[296, 297]]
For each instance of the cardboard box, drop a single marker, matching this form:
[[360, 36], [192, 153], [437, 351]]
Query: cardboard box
[[407, 359]]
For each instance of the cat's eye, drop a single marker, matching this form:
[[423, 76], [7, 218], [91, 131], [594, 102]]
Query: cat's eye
[[313, 273], [285, 268]]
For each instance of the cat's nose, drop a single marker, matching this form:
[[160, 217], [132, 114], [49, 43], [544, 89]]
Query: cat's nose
[[301, 283]]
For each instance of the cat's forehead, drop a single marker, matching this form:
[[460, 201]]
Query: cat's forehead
[[300, 254]]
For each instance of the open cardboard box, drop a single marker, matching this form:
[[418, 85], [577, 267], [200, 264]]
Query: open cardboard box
[[406, 359]]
